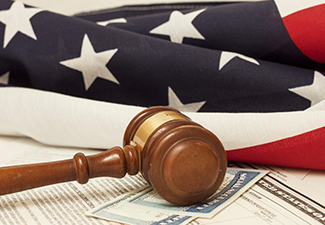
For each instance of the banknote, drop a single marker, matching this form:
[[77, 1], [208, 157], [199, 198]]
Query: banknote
[[150, 208]]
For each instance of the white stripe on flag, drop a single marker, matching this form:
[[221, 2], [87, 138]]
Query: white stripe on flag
[[58, 119], [62, 120], [241, 130], [287, 7]]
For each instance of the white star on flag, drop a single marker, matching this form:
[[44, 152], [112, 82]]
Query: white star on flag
[[92, 64], [228, 56], [314, 92], [4, 79], [175, 103], [17, 19], [179, 26]]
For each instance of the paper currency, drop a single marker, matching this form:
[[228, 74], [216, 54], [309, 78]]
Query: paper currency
[[145, 206]]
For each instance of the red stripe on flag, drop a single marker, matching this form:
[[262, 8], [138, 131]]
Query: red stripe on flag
[[307, 30], [304, 151]]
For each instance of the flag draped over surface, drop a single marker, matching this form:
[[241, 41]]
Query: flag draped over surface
[[251, 72]]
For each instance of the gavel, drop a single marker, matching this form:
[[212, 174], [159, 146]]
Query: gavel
[[182, 161]]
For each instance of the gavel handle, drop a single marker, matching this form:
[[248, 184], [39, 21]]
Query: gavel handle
[[115, 162]]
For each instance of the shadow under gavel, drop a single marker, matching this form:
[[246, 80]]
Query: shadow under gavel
[[183, 162]]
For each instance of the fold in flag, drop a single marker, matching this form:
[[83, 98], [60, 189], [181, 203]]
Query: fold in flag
[[251, 72], [303, 20]]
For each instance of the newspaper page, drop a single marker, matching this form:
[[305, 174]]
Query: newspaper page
[[281, 197], [64, 203]]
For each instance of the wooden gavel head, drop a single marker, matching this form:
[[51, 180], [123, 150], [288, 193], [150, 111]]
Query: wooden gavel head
[[181, 160], [184, 162]]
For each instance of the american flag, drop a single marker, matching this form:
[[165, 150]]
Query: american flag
[[251, 72]]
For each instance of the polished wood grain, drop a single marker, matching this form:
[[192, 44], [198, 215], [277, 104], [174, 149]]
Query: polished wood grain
[[112, 163], [184, 162]]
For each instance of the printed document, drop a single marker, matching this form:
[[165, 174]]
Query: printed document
[[278, 198]]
